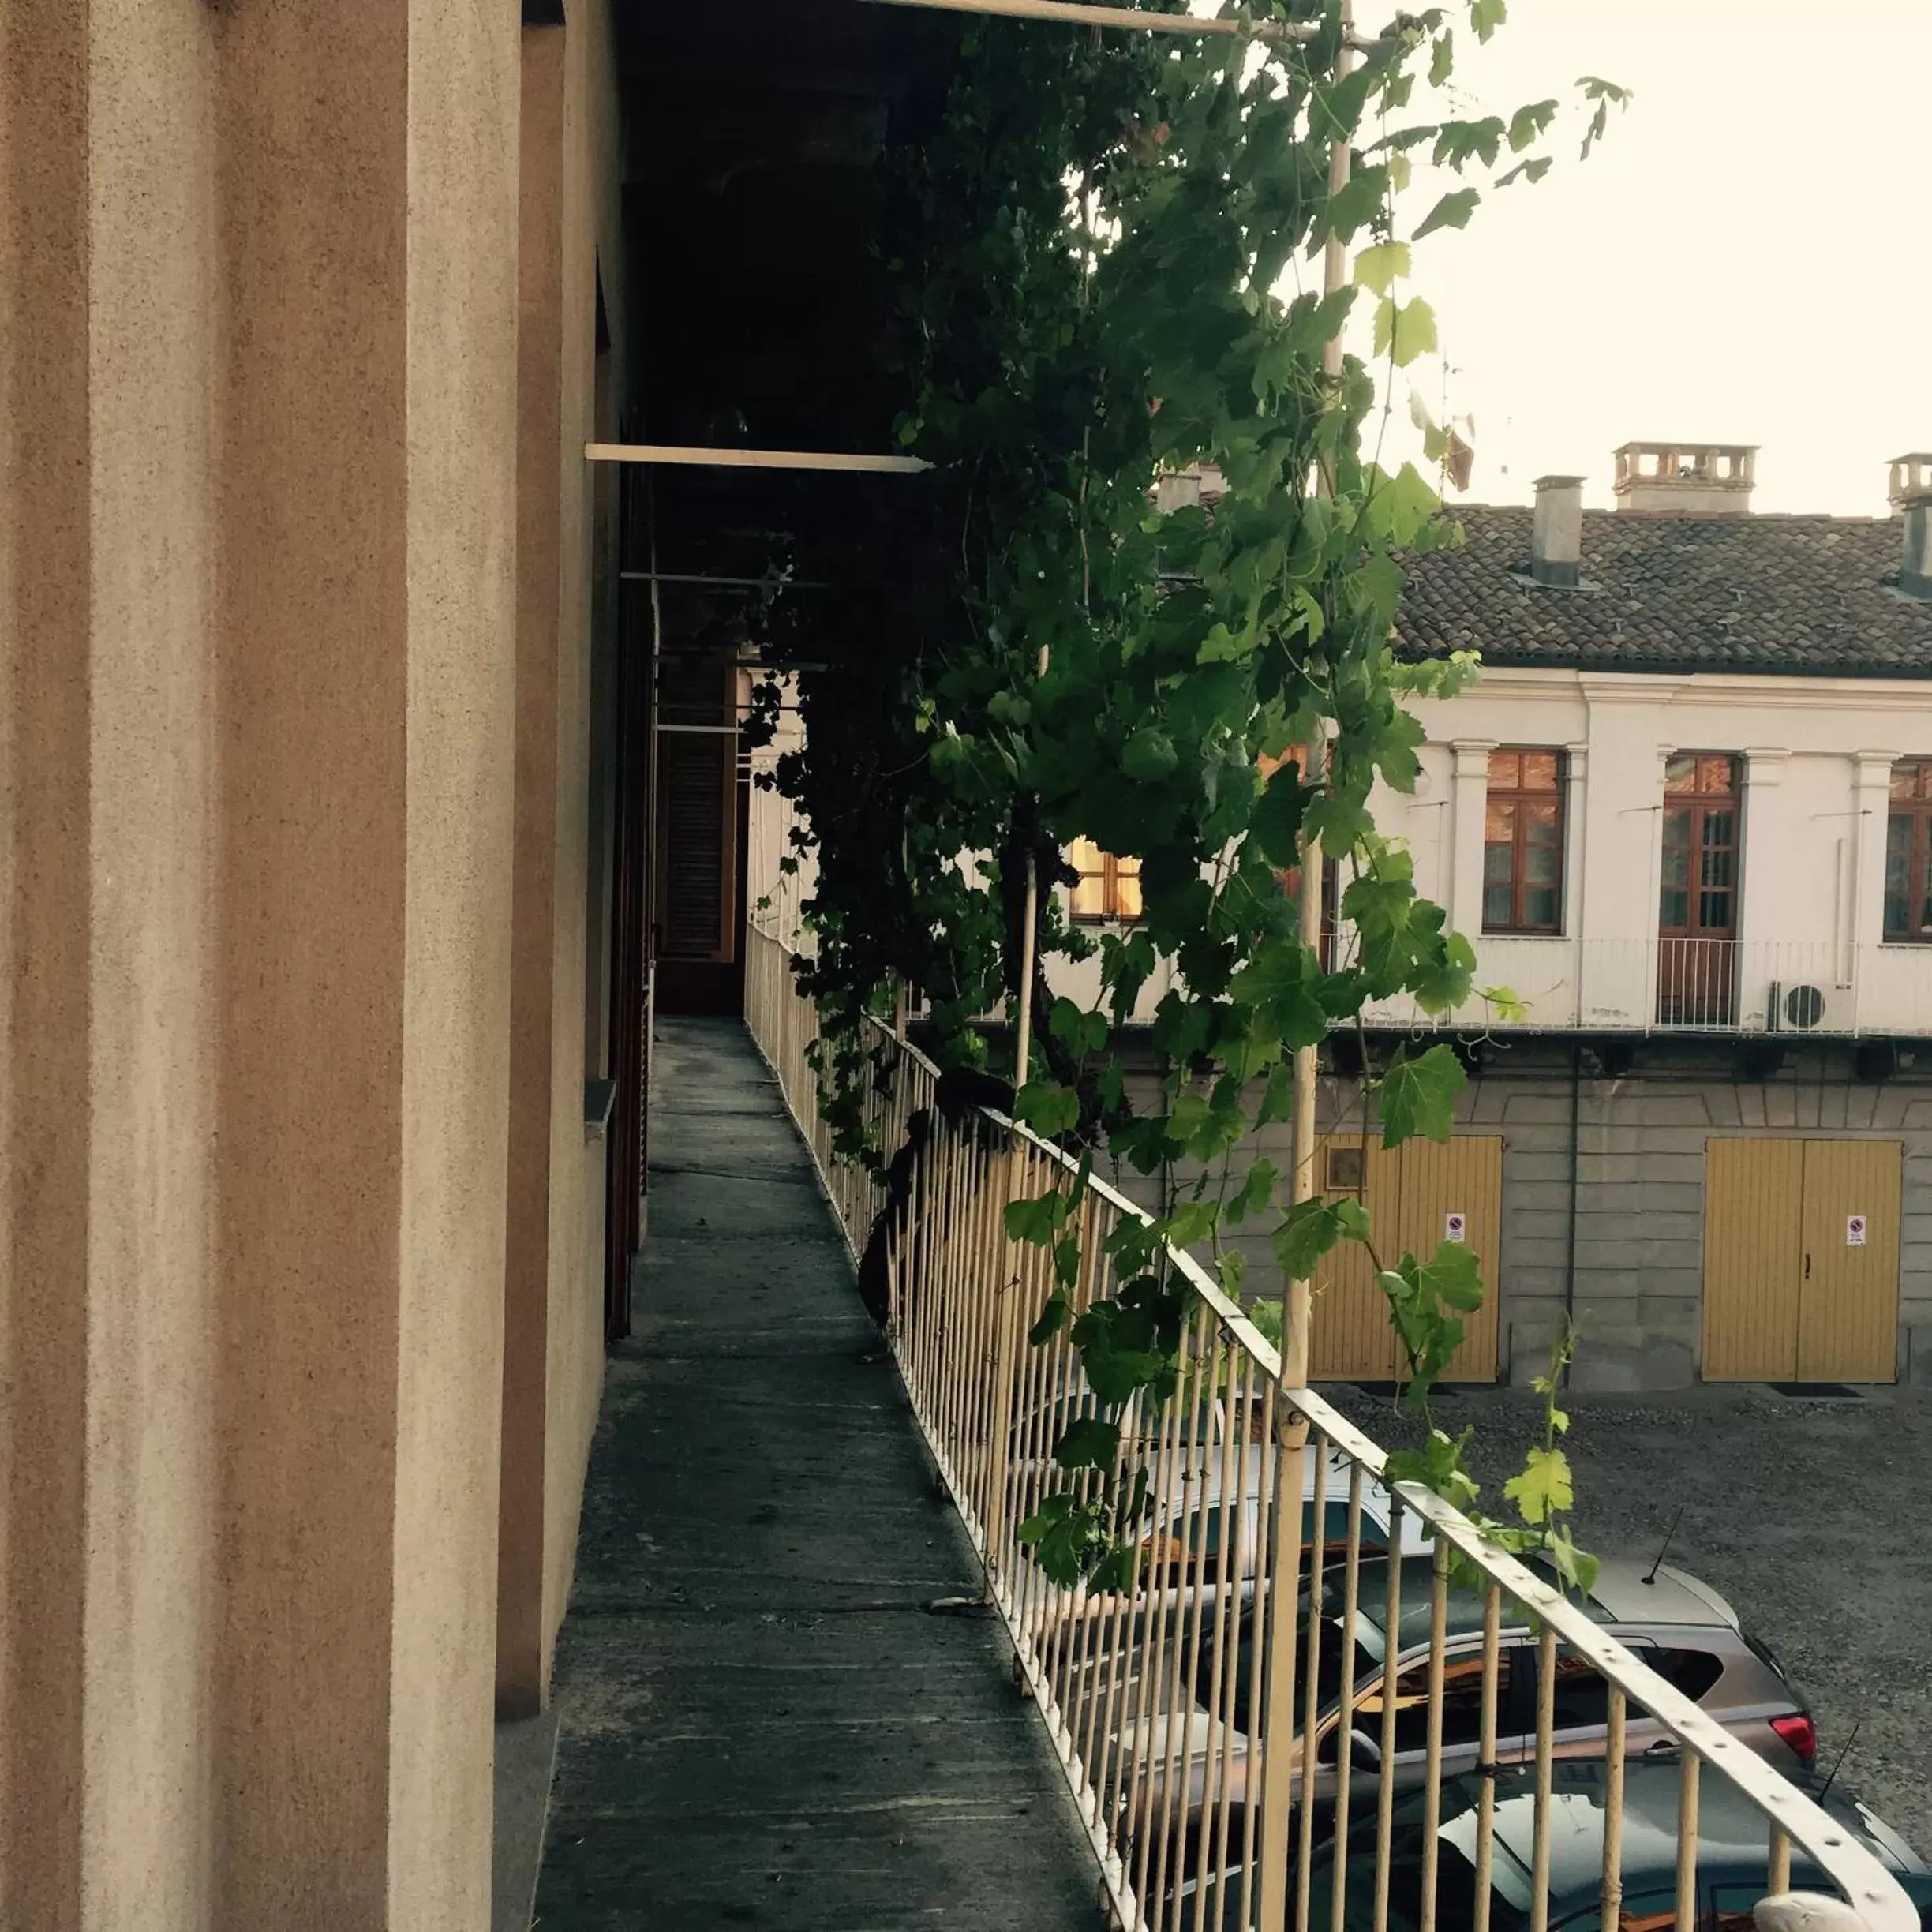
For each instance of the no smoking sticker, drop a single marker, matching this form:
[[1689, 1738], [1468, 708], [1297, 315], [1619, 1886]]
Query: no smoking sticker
[[1855, 1230], [1455, 1227]]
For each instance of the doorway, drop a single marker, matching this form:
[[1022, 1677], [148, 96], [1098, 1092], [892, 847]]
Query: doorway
[[1418, 1195], [1801, 1254], [1697, 897]]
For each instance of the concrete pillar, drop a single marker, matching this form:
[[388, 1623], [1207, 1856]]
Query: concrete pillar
[[257, 533], [1469, 812]]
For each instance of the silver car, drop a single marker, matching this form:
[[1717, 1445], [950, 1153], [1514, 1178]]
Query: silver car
[[1682, 1629]]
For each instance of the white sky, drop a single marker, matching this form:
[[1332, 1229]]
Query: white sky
[[1745, 257]]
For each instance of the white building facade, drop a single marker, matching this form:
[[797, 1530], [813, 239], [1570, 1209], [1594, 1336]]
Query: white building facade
[[1685, 816]]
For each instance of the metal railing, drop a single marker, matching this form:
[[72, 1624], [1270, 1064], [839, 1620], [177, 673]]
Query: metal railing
[[1791, 988], [1237, 1750]]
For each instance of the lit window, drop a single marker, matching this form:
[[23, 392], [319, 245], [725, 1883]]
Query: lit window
[[1908, 853], [1108, 888], [1522, 843]]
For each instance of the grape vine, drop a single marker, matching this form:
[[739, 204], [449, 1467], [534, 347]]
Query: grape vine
[[1087, 278]]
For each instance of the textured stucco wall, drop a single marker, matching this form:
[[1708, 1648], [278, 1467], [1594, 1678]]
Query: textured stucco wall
[[460, 715], [152, 757], [44, 527], [553, 1357], [256, 380]]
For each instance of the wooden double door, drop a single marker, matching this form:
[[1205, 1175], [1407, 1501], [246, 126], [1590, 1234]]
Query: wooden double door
[[1801, 1260], [1418, 1195]]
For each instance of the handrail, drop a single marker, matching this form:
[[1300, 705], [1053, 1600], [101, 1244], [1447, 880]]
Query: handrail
[[1160, 1766]]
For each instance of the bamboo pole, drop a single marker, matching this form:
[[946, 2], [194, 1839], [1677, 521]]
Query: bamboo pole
[[1295, 1355]]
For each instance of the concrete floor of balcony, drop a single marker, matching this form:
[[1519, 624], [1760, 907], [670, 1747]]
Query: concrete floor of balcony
[[760, 1722]]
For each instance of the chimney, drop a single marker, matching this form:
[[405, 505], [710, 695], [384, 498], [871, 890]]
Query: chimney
[[1686, 479], [1556, 532], [1912, 499]]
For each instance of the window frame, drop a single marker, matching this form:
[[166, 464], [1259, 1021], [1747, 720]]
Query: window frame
[[1518, 926], [1917, 813], [1110, 874], [1698, 805]]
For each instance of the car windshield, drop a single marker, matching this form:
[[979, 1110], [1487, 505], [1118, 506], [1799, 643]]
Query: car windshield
[[1455, 1887]]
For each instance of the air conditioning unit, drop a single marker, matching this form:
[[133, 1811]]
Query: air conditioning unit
[[1793, 1006]]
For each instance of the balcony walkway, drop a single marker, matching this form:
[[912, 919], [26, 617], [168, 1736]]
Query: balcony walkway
[[760, 1722]]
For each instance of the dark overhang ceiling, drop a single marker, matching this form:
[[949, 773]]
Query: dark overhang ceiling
[[754, 133], [753, 130]]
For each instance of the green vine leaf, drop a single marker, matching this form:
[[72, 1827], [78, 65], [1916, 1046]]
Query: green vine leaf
[[1541, 1489], [1380, 267], [1453, 211], [1418, 1095]]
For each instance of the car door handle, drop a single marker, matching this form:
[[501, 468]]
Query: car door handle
[[1663, 1747]]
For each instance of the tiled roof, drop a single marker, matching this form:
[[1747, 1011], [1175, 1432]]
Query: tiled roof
[[1795, 594]]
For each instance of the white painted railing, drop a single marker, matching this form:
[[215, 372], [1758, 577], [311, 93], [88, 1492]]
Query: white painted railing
[[1793, 988], [1191, 1717]]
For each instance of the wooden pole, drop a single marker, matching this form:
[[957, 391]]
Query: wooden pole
[[702, 459]]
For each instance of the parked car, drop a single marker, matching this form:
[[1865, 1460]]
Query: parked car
[[1732, 1859], [1681, 1628], [1733, 1856], [1181, 1542]]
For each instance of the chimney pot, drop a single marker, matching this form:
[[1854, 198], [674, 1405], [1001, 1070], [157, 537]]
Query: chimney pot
[[1911, 501], [1686, 479], [1556, 532], [1911, 478]]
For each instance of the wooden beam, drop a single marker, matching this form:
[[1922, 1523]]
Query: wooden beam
[[752, 459], [1082, 13]]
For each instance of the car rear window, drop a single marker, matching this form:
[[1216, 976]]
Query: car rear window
[[1691, 1671]]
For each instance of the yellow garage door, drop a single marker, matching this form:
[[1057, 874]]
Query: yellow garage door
[[1801, 1260], [1418, 1195]]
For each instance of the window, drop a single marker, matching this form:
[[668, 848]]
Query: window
[[1108, 888], [1522, 843], [1344, 1169], [1581, 1699], [1691, 1671], [1698, 898], [1461, 1702], [1908, 854]]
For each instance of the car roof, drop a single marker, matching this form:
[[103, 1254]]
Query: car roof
[[1732, 1833], [1632, 1591], [1619, 1595], [1465, 1608]]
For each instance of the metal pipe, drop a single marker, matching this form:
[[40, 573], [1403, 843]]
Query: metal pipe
[[692, 456], [1576, 1189]]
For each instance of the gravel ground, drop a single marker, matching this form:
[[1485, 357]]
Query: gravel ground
[[1810, 1516]]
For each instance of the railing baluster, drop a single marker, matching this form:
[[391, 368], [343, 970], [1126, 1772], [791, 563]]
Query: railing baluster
[[1486, 1768], [1545, 1758], [1267, 1555], [1315, 1515], [1610, 1899], [1385, 1773], [1345, 1720], [1690, 1766], [1432, 1762]]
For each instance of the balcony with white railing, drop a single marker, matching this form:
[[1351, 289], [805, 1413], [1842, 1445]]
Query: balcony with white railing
[[1237, 1762], [1792, 988]]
